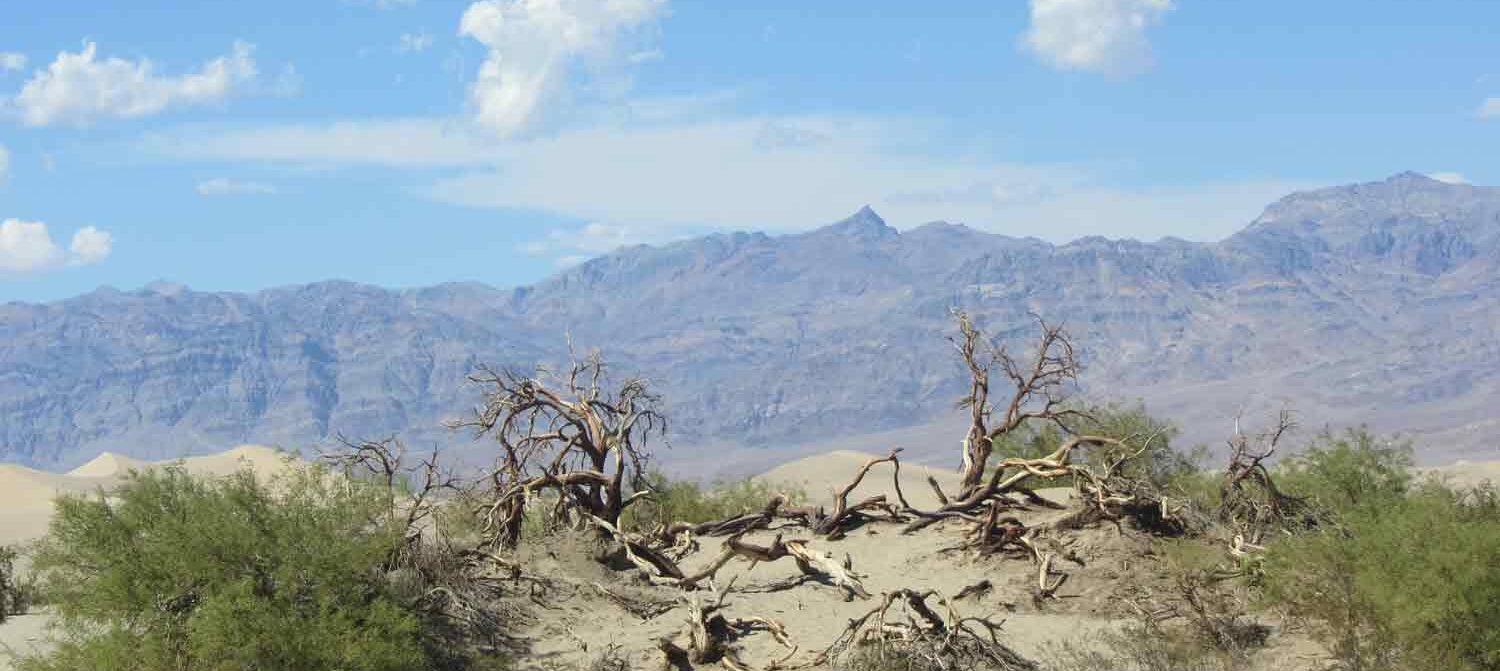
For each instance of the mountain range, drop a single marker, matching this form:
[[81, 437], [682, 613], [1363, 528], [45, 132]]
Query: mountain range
[[1374, 303]]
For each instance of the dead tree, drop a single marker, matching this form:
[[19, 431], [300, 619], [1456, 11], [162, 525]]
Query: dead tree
[[1248, 496], [412, 490], [1038, 385], [457, 588], [567, 434]]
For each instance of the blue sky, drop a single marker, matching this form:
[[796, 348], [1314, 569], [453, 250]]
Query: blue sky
[[233, 145]]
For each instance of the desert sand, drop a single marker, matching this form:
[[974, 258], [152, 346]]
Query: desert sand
[[1095, 598]]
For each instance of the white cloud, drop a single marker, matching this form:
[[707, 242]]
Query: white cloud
[[220, 186], [4, 163], [1449, 177], [413, 42], [27, 247], [1106, 36], [90, 245], [1490, 108], [532, 44], [78, 88], [10, 60]]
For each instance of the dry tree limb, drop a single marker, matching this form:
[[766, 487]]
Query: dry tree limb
[[645, 609], [658, 569], [979, 588], [943, 640]]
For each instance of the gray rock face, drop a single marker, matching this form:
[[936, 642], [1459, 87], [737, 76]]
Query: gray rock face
[[1374, 303]]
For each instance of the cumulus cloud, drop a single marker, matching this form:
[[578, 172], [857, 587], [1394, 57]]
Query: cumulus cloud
[[11, 60], [220, 186], [1105, 36], [90, 245], [1449, 177], [531, 45], [79, 87], [27, 247], [1490, 108], [413, 43]]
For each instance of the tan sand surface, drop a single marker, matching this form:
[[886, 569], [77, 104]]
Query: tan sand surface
[[1093, 599]]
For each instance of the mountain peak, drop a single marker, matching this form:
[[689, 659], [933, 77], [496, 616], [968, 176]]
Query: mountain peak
[[863, 224]]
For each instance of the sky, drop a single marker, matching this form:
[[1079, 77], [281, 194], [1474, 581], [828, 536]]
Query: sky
[[229, 145]]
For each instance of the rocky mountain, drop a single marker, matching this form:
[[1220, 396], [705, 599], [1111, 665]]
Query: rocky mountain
[[1374, 303]]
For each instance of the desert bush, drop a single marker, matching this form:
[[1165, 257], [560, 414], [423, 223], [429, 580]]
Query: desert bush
[[183, 573], [1399, 575], [10, 591], [674, 500], [1339, 472]]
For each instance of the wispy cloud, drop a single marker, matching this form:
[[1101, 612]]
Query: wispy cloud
[[1104, 36], [411, 43], [722, 173], [1490, 108], [78, 87], [4, 163], [531, 46], [221, 186], [11, 60], [27, 247]]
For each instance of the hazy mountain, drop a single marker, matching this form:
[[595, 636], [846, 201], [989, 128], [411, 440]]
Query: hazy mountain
[[1373, 303]]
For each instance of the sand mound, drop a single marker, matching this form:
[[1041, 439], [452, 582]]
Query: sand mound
[[821, 475], [26, 494], [265, 461], [1467, 473], [108, 465]]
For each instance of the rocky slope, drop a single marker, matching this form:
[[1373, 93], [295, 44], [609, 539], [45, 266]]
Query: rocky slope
[[1373, 303]]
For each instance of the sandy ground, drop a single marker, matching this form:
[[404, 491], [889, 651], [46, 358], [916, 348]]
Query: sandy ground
[[583, 622], [26, 508], [1095, 599]]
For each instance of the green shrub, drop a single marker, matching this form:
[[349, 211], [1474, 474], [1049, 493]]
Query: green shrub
[[178, 573], [1340, 472], [1399, 576], [10, 591]]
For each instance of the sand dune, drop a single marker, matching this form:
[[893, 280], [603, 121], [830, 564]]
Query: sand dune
[[26, 494], [822, 475]]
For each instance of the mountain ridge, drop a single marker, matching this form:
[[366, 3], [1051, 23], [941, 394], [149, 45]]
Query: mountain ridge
[[1358, 303]]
